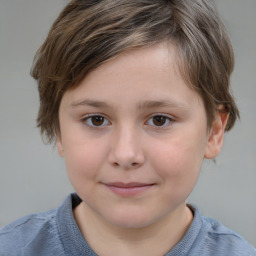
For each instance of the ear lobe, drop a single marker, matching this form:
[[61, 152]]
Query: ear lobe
[[60, 146], [216, 135]]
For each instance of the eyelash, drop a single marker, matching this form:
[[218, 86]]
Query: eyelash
[[167, 118], [87, 120]]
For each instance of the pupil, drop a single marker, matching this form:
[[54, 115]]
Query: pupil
[[97, 120], [159, 120]]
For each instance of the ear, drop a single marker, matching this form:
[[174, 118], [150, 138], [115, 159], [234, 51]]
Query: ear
[[60, 146], [216, 134]]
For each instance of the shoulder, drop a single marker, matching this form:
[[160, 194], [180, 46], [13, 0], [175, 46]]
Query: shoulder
[[17, 235], [41, 234], [223, 240]]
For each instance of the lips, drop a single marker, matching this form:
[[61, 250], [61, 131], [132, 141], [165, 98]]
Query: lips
[[128, 189], [128, 185]]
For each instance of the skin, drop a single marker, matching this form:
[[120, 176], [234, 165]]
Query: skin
[[134, 120]]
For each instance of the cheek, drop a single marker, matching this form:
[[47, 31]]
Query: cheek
[[83, 161], [178, 161], [178, 170]]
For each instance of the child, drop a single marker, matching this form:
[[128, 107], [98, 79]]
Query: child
[[136, 94]]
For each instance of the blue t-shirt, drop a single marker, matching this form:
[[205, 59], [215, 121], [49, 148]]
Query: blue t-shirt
[[55, 232]]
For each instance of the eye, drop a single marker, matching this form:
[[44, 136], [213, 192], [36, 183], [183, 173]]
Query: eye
[[95, 120], [159, 120]]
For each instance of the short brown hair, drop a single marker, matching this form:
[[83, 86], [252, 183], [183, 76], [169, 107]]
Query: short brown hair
[[88, 33]]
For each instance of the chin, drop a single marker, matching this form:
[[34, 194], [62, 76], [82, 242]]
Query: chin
[[131, 220]]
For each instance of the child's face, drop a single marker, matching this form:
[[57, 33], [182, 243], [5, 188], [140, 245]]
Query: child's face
[[134, 136]]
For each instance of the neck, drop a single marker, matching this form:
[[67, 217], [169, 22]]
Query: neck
[[155, 239]]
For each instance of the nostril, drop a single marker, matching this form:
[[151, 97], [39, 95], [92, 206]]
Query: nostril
[[127, 166], [115, 164]]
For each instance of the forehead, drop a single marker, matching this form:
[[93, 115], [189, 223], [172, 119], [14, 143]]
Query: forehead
[[144, 74]]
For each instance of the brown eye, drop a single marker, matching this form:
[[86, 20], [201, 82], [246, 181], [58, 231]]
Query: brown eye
[[95, 121], [159, 120]]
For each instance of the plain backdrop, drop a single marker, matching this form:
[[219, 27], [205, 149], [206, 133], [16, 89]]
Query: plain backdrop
[[33, 176]]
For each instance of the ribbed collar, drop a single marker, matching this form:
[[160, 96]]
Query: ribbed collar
[[71, 237], [75, 244], [184, 246]]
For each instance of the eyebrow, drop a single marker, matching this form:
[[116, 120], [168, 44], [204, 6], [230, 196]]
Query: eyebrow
[[143, 105], [92, 103], [162, 103]]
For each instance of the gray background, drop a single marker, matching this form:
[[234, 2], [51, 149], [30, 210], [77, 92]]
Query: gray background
[[33, 176]]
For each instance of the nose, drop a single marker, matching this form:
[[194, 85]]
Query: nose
[[126, 150]]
